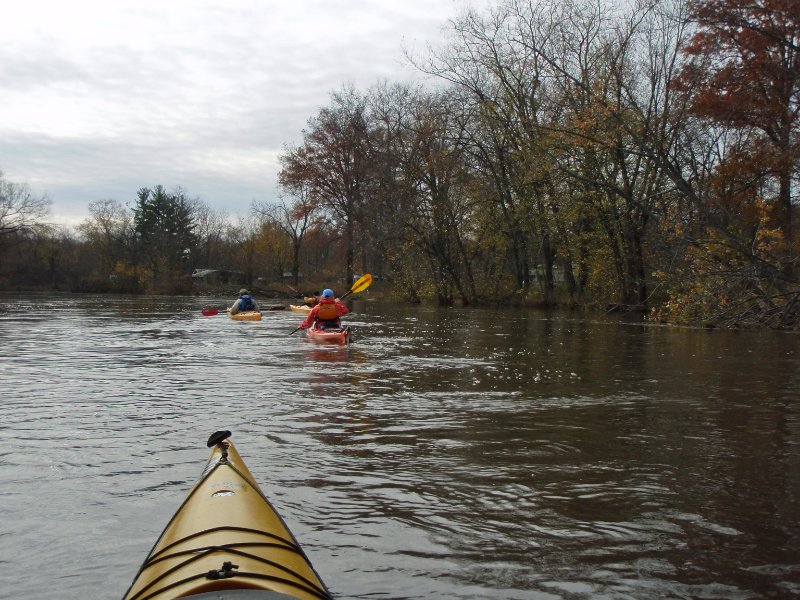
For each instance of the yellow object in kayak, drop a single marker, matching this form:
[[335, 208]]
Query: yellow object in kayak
[[247, 315], [226, 536]]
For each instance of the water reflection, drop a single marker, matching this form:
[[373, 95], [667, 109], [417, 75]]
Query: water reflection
[[328, 353]]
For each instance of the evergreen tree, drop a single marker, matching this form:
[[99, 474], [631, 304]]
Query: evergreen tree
[[164, 224]]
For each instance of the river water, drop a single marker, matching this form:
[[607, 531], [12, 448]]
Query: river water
[[447, 453]]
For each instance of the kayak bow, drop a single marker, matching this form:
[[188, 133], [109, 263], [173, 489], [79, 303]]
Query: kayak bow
[[226, 536]]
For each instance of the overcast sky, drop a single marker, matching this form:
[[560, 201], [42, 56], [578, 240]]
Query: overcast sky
[[101, 98]]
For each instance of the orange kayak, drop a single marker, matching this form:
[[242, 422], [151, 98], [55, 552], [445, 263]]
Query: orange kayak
[[225, 537], [331, 336]]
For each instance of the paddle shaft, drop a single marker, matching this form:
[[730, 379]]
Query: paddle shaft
[[296, 291]]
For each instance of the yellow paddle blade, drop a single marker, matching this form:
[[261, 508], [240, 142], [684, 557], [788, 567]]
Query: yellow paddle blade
[[361, 283]]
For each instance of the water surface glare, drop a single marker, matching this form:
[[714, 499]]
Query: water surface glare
[[447, 453]]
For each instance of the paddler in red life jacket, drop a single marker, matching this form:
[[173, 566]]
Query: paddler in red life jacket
[[326, 313]]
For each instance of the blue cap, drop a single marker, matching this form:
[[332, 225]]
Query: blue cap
[[327, 293]]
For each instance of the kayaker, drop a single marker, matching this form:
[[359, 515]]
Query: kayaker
[[244, 303], [326, 312], [312, 299], [308, 297]]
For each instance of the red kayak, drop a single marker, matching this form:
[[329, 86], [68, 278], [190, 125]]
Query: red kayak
[[332, 335]]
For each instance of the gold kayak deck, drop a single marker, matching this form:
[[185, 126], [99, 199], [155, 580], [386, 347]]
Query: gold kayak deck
[[299, 309], [226, 536], [247, 315]]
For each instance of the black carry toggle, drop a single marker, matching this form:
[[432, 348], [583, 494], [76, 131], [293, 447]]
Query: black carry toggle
[[218, 437], [224, 573]]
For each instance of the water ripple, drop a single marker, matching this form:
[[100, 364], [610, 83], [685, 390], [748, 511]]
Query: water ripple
[[447, 453]]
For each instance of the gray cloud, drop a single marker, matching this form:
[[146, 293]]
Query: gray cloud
[[102, 98]]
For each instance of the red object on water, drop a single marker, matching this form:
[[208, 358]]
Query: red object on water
[[335, 336], [210, 312]]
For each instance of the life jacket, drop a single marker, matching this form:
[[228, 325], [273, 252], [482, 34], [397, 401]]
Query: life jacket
[[327, 310], [246, 303]]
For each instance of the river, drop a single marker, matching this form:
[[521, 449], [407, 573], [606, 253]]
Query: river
[[446, 453]]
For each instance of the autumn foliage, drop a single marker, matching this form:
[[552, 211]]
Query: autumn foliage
[[746, 73], [743, 77]]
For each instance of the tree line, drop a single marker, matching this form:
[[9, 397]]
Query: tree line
[[154, 244], [576, 153]]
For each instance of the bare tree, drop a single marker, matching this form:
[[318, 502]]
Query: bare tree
[[505, 83], [210, 230], [294, 219], [428, 153], [20, 209], [335, 165], [109, 231]]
